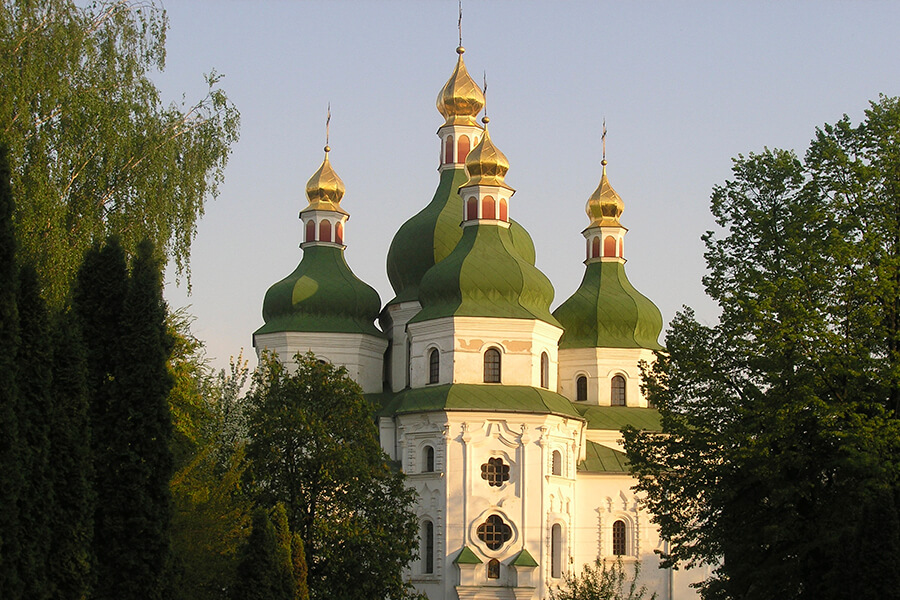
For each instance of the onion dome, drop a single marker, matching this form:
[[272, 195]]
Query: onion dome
[[325, 189], [604, 207], [321, 295], [486, 165], [485, 276], [432, 234], [606, 311], [460, 100]]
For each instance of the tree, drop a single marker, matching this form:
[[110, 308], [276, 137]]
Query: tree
[[261, 572], [602, 581], [72, 517], [313, 447], [123, 318], [11, 478], [780, 422], [34, 409], [93, 150]]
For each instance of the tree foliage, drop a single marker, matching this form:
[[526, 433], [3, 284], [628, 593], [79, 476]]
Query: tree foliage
[[261, 573], [313, 447], [93, 149], [780, 422], [602, 581]]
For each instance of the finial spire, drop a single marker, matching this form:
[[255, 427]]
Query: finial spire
[[459, 23], [327, 127], [603, 139], [484, 91]]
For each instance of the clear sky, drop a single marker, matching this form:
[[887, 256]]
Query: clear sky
[[684, 87]]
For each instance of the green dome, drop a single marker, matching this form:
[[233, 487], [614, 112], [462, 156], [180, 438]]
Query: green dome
[[432, 234], [321, 295], [485, 276], [607, 312]]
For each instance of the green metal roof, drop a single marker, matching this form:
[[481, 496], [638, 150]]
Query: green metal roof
[[607, 312], [432, 234], [602, 459], [617, 418], [321, 295], [466, 557], [480, 397], [485, 276], [524, 559]]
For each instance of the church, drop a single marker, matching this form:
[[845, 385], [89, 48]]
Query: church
[[505, 416]]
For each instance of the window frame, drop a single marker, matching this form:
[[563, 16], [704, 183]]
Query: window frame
[[493, 370]]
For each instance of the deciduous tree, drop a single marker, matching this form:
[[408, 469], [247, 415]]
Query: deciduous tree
[[94, 150], [313, 447], [780, 422]]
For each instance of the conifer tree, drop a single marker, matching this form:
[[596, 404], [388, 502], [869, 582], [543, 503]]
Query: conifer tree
[[260, 570], [10, 476], [72, 519], [136, 540], [299, 568], [98, 302], [33, 378]]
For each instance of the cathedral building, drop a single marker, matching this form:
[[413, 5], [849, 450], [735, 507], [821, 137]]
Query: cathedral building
[[504, 415]]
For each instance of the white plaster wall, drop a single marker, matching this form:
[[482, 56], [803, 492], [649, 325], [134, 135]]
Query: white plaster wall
[[393, 321], [362, 355], [463, 341], [458, 499], [600, 365]]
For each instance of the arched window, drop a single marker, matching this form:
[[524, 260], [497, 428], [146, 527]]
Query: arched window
[[428, 467], [434, 365], [493, 569], [492, 366], [471, 209], [609, 246], [556, 463], [488, 208], [595, 247], [556, 551], [325, 231], [581, 389], [339, 232], [462, 148], [310, 231], [618, 541], [545, 370], [428, 547], [448, 150], [617, 391], [504, 210]]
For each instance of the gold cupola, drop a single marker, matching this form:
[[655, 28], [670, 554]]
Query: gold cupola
[[460, 100], [325, 189], [485, 164], [604, 207]]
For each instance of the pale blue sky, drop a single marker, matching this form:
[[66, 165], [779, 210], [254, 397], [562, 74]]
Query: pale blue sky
[[684, 86]]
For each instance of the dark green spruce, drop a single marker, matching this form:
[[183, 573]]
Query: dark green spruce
[[10, 474], [261, 570], [33, 378], [72, 517]]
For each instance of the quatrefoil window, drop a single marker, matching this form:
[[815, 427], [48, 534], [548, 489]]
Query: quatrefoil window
[[494, 532], [495, 472]]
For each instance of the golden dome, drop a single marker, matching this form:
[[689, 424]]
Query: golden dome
[[325, 189], [460, 100], [604, 207], [485, 164]]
